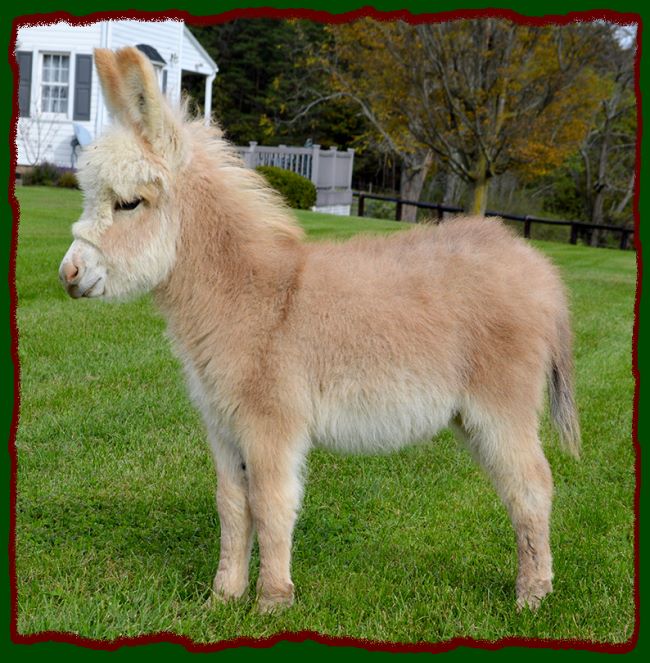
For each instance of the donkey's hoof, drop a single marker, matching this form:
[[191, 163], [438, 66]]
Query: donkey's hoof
[[531, 593], [266, 606], [274, 601], [221, 594]]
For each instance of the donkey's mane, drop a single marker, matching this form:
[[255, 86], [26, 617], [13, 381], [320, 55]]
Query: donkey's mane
[[259, 206]]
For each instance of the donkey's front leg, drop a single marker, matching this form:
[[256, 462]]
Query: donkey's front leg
[[231, 581], [275, 490]]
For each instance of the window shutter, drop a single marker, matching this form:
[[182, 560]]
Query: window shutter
[[82, 87], [164, 81], [25, 82]]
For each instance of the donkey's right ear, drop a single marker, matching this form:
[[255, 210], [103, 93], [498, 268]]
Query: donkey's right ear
[[111, 82]]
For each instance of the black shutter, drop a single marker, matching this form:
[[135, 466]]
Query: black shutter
[[83, 77], [164, 81], [25, 82]]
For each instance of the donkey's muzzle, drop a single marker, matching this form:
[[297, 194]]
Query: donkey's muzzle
[[79, 273]]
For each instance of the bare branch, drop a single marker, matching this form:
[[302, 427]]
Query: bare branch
[[312, 104]]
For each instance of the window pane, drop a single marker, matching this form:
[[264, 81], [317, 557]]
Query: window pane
[[63, 93], [45, 102]]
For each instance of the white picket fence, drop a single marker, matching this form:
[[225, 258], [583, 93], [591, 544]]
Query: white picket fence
[[329, 170]]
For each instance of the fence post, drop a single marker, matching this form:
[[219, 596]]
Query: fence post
[[315, 156], [249, 154], [350, 166], [625, 235], [398, 210], [362, 204], [574, 233], [527, 227], [441, 214]]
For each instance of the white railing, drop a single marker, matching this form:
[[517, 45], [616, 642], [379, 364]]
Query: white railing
[[329, 170]]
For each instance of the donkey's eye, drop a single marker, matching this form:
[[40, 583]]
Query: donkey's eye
[[123, 206]]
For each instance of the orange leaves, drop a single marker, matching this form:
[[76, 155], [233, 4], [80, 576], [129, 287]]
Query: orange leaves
[[561, 128]]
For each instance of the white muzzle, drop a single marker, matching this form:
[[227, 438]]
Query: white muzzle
[[82, 272]]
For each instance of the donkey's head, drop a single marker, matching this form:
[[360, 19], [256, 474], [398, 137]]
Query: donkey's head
[[125, 241]]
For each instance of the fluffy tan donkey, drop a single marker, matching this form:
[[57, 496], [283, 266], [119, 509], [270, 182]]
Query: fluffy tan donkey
[[363, 346]]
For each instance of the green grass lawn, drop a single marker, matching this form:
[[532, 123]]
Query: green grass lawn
[[117, 530]]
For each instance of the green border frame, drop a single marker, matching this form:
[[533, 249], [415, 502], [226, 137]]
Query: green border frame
[[201, 8]]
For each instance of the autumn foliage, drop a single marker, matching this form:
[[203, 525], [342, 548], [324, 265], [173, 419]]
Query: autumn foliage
[[485, 96]]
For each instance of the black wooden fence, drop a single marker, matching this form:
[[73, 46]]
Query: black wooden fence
[[528, 220]]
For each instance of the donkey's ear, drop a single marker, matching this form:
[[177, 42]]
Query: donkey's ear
[[133, 96], [111, 82]]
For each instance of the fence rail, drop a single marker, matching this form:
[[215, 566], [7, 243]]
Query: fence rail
[[527, 220]]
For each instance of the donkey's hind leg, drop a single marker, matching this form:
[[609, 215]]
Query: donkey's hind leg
[[513, 458]]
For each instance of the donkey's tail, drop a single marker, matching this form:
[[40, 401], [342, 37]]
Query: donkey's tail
[[561, 390]]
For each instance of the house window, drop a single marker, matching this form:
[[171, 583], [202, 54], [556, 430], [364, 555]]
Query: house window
[[55, 83]]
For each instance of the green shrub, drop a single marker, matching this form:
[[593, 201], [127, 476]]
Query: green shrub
[[68, 180], [297, 190], [45, 173]]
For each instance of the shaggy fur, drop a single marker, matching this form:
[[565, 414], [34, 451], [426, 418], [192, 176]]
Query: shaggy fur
[[363, 346]]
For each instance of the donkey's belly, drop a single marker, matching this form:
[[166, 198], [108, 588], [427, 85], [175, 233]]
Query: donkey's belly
[[377, 423]]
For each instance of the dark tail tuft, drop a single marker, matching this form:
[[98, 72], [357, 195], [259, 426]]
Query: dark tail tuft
[[561, 391]]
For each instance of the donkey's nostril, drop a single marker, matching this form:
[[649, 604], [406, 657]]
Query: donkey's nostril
[[70, 271]]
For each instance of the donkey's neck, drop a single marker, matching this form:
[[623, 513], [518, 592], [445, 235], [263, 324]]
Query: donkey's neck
[[238, 263]]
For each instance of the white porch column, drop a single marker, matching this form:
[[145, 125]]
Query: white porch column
[[208, 98]]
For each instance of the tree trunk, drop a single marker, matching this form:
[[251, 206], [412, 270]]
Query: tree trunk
[[414, 173], [480, 183], [598, 205], [478, 204], [453, 189]]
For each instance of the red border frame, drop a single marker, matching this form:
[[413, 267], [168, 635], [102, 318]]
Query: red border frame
[[302, 636]]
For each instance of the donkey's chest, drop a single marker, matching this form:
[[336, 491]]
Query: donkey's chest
[[208, 393]]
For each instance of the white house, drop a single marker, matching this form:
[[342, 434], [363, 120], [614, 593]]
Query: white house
[[60, 99]]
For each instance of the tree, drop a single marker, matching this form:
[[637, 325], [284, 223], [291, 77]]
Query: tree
[[606, 179], [267, 77], [482, 96], [250, 54], [596, 182]]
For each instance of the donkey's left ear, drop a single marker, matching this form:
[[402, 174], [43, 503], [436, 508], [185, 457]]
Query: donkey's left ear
[[144, 105]]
